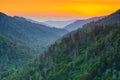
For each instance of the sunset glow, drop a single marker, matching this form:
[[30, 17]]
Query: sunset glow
[[61, 8]]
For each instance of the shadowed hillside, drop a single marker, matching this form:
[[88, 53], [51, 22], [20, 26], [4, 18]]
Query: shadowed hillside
[[21, 41]]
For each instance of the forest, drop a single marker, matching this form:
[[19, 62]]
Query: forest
[[89, 53]]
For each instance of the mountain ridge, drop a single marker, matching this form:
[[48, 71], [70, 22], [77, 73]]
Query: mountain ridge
[[21, 41], [80, 55], [79, 23], [58, 24], [111, 19], [21, 27]]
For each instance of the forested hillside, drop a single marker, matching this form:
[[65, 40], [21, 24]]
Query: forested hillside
[[11, 51], [12, 56], [21, 41], [35, 36], [86, 54]]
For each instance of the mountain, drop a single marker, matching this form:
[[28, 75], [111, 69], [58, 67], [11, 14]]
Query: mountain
[[80, 55], [30, 20], [23, 32], [22, 40], [57, 31], [58, 24], [111, 19], [79, 23]]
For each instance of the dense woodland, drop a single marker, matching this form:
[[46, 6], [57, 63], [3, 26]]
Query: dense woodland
[[21, 40], [89, 53]]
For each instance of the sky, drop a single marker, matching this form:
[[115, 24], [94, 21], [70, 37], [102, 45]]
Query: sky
[[43, 10]]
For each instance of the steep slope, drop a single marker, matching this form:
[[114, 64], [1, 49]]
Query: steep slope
[[81, 55], [111, 19], [35, 36], [21, 41], [79, 23], [26, 19]]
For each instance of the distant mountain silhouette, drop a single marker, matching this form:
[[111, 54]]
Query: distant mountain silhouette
[[59, 24], [30, 20], [79, 23]]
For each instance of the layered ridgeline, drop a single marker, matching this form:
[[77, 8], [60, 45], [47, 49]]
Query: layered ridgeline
[[79, 23], [59, 24], [85, 54], [35, 36], [20, 39]]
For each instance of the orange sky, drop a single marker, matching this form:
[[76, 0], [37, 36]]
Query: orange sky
[[59, 8]]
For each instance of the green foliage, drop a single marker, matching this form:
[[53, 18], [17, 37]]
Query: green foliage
[[12, 56], [92, 57], [90, 53]]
